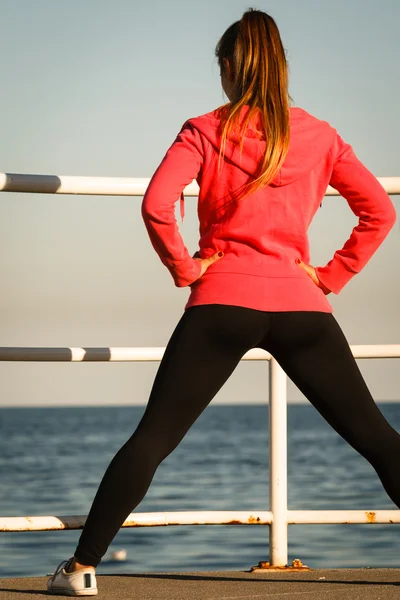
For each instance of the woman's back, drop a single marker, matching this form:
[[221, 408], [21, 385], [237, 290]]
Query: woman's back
[[262, 234]]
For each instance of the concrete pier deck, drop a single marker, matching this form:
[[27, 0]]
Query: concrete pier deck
[[327, 584]]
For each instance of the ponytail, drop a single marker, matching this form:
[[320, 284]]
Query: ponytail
[[254, 49]]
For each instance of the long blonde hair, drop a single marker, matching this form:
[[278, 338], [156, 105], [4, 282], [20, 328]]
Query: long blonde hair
[[256, 54]]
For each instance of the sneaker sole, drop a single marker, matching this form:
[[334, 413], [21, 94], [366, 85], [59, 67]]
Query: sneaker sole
[[69, 592]]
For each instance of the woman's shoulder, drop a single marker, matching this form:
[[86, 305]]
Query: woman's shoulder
[[210, 118], [297, 113]]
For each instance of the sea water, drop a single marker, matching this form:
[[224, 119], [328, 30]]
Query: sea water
[[52, 460]]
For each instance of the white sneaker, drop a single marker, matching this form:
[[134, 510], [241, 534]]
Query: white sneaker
[[78, 583]]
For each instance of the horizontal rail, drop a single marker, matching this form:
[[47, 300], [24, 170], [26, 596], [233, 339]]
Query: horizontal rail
[[343, 517], [31, 354], [163, 519], [115, 186], [160, 519], [100, 354]]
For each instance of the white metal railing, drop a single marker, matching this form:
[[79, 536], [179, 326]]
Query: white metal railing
[[279, 517], [115, 186]]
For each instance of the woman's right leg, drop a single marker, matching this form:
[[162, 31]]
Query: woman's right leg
[[313, 351]]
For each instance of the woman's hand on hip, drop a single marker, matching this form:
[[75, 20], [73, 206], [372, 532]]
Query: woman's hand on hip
[[311, 272], [206, 262]]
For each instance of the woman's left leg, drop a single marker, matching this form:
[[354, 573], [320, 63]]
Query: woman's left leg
[[205, 348]]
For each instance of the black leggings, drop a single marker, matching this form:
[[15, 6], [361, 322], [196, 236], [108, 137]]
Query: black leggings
[[204, 349]]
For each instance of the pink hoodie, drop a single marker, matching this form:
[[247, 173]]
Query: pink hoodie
[[262, 234]]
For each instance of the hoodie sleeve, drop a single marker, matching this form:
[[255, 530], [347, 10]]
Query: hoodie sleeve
[[179, 167], [370, 203]]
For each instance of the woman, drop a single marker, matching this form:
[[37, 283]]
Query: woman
[[263, 168]]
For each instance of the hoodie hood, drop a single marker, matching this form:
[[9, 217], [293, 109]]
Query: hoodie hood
[[310, 140]]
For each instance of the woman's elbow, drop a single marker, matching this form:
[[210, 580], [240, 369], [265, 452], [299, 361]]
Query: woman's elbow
[[392, 216], [388, 219], [386, 214], [146, 209]]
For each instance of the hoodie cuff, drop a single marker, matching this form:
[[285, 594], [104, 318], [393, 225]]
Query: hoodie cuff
[[334, 275], [184, 272]]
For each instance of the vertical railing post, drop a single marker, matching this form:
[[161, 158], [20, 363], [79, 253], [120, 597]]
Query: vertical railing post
[[278, 544]]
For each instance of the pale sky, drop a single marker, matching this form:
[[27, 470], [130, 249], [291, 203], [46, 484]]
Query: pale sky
[[101, 88]]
